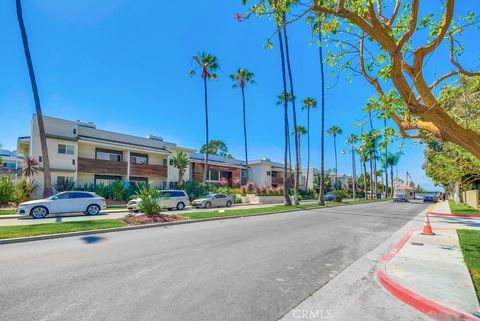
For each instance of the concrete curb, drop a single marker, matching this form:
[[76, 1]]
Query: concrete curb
[[415, 300], [139, 227]]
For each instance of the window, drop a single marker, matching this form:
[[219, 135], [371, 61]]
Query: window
[[172, 184], [274, 174], [61, 180], [111, 155], [165, 162], [40, 159], [66, 149], [214, 175], [106, 179], [138, 158], [269, 173], [81, 195], [139, 180], [171, 162], [220, 196], [63, 196], [74, 131], [73, 162]]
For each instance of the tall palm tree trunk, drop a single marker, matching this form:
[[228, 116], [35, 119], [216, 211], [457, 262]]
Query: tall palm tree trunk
[[286, 186], [371, 175], [321, 196], [375, 178], [354, 189], [47, 179], [336, 165], [365, 179], [245, 132], [391, 178], [297, 147], [387, 194], [308, 148], [205, 170]]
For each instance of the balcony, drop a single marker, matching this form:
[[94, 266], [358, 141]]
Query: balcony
[[144, 170], [100, 166], [278, 180]]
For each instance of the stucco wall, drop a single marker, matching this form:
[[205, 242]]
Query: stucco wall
[[471, 198]]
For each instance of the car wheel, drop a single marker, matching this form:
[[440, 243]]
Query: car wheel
[[39, 212], [93, 209], [229, 203], [180, 206], [208, 205]]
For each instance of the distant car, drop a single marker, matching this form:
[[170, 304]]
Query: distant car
[[171, 199], [65, 202], [429, 198], [213, 200], [328, 197], [399, 197]]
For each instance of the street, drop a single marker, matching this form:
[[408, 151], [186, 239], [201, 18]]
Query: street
[[255, 268]]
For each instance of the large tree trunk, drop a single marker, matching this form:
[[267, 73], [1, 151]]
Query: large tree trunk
[[205, 170], [456, 192], [245, 134], [47, 178], [336, 165], [294, 112], [321, 196], [365, 179], [354, 187], [286, 186]]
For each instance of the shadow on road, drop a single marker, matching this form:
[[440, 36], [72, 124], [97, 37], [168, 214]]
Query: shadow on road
[[92, 239]]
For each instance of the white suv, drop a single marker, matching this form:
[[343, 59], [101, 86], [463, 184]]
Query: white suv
[[171, 199], [65, 202]]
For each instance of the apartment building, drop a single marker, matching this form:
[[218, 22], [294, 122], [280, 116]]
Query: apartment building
[[10, 164], [221, 170], [89, 155], [265, 172]]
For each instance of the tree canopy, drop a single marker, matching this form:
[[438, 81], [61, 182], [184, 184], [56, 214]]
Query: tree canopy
[[216, 147], [389, 44]]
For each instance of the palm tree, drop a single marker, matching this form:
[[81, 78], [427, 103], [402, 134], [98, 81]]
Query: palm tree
[[286, 194], [308, 103], [283, 99], [334, 131], [181, 162], [392, 161], [208, 64], [301, 130], [352, 140], [30, 168], [363, 152], [241, 78], [47, 178]]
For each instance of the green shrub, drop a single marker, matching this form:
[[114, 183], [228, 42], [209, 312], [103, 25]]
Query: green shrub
[[7, 190], [194, 190], [338, 195], [150, 200], [24, 191], [102, 190], [117, 190], [67, 185]]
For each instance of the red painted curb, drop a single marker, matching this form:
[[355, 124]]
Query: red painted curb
[[415, 300], [454, 215]]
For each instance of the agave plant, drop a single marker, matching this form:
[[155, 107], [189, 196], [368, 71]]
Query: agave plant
[[67, 185]]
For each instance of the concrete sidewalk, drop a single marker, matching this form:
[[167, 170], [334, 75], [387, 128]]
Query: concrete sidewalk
[[406, 275]]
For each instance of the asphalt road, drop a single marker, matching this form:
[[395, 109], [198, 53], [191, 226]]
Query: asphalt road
[[255, 268]]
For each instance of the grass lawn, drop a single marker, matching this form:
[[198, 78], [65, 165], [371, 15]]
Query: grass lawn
[[470, 244], [262, 210], [7, 232], [462, 208], [8, 212]]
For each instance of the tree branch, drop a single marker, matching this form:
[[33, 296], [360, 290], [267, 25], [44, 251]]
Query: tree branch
[[412, 25]]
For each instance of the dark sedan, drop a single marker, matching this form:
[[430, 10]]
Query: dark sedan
[[429, 198]]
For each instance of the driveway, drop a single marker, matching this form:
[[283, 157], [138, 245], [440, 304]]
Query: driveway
[[255, 268]]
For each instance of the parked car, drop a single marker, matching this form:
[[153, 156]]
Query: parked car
[[171, 199], [328, 197], [65, 202], [213, 200], [399, 197], [429, 198]]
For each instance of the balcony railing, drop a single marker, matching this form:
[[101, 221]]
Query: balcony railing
[[143, 170], [100, 166]]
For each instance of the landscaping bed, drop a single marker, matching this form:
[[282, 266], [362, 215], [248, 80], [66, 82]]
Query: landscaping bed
[[151, 219], [462, 209], [470, 245]]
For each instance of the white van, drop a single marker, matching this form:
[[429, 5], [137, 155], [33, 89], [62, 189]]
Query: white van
[[171, 199]]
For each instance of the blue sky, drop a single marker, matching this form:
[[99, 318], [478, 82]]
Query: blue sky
[[124, 65]]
